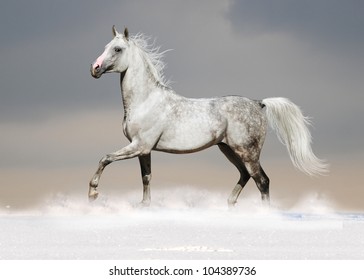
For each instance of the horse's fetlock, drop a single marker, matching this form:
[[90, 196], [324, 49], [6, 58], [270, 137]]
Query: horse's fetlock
[[92, 194], [146, 179]]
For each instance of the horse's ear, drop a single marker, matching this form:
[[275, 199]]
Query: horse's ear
[[114, 31], [126, 33]]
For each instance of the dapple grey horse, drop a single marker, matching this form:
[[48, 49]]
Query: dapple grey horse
[[156, 118]]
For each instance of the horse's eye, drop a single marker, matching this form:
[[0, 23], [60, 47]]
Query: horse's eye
[[117, 49]]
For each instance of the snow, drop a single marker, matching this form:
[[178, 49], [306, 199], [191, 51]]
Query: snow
[[182, 223]]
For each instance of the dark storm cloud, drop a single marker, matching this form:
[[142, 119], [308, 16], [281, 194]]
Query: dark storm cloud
[[328, 37], [46, 48], [335, 23], [23, 21]]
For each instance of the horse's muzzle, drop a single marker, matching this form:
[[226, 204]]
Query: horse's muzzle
[[96, 71]]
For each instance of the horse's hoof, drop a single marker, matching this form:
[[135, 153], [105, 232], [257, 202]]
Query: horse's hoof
[[231, 204], [144, 203], [92, 194], [265, 200]]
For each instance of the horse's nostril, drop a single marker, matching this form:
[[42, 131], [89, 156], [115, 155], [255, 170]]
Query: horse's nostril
[[95, 69]]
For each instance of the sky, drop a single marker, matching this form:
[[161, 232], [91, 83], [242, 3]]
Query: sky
[[56, 121]]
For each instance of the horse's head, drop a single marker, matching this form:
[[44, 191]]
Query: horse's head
[[114, 58]]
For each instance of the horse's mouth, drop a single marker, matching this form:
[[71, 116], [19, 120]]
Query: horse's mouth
[[97, 72]]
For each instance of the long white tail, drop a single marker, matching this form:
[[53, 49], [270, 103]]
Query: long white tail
[[291, 127]]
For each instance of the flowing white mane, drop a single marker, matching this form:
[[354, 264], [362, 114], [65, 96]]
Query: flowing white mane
[[153, 56]]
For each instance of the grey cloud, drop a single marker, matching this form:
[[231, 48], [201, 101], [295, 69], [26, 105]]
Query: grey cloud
[[28, 21], [334, 23], [46, 71], [47, 61], [46, 50], [322, 60]]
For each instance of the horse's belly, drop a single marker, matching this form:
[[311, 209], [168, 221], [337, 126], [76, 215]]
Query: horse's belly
[[190, 137]]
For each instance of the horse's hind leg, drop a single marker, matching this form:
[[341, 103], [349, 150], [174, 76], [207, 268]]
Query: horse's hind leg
[[261, 179], [145, 167], [244, 174]]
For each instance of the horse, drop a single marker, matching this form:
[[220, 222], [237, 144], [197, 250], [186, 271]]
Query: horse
[[158, 119]]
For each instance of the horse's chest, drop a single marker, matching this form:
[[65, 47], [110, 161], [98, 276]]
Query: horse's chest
[[140, 125], [130, 128]]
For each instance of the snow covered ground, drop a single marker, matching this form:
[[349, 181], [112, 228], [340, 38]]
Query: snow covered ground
[[180, 224]]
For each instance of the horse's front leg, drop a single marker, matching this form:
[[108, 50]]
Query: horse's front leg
[[130, 151], [145, 167]]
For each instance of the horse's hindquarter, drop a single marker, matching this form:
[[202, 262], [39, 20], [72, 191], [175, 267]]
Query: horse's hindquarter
[[247, 122], [192, 125]]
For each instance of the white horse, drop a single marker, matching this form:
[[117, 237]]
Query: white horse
[[156, 118]]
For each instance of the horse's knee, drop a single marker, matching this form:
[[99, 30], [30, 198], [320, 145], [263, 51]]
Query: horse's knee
[[106, 160]]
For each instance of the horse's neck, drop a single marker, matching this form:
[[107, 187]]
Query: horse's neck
[[136, 84]]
